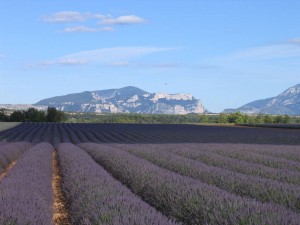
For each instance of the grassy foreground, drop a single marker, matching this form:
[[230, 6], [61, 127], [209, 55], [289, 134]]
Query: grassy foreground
[[7, 125]]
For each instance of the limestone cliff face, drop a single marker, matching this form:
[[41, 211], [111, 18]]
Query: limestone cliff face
[[126, 100]]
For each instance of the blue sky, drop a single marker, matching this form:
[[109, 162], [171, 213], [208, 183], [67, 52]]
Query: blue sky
[[226, 53]]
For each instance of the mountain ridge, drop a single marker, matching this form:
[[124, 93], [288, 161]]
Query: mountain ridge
[[128, 99], [288, 102]]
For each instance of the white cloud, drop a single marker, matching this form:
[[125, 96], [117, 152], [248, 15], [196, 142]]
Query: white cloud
[[118, 56], [71, 16], [64, 62], [80, 20], [119, 64], [70, 61], [45, 63], [107, 55], [160, 65], [107, 29], [87, 29], [2, 56], [123, 20]]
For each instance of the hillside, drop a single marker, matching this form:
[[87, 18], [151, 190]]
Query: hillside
[[125, 100], [288, 102]]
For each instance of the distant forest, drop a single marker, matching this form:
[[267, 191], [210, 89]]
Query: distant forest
[[33, 115], [54, 115], [234, 118]]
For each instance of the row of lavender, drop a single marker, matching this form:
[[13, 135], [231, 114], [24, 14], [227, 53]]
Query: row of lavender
[[175, 179], [56, 133], [92, 195], [195, 193], [25, 192], [269, 161], [10, 152], [255, 187]]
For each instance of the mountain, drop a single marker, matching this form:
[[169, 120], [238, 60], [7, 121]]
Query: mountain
[[288, 102], [125, 100]]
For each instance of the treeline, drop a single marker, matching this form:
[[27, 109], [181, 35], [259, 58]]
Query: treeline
[[234, 118], [54, 115], [140, 118], [239, 118], [33, 115]]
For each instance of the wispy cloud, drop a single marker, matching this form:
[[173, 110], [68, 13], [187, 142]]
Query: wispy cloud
[[88, 29], [295, 41], [137, 64], [123, 20], [2, 56], [71, 16], [72, 61], [166, 65], [285, 50], [119, 64], [64, 62], [118, 56], [80, 20], [161, 65]]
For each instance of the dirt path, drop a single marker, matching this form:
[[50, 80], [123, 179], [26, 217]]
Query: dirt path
[[7, 169], [60, 213]]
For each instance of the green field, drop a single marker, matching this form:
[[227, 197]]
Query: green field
[[7, 125]]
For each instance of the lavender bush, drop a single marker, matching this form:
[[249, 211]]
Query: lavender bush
[[2, 143], [201, 153], [150, 133], [65, 137], [18, 133], [10, 152], [244, 185], [82, 134], [95, 197], [26, 195], [57, 136], [47, 136], [37, 137], [36, 129], [73, 136], [290, 152], [184, 198], [253, 157]]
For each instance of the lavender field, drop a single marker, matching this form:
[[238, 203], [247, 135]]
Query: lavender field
[[53, 173], [56, 133]]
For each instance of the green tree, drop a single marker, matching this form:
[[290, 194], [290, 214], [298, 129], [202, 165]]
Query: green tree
[[53, 115], [237, 117], [278, 119], [204, 119], [17, 116], [250, 119], [3, 117], [223, 118], [287, 119], [268, 119], [34, 115], [259, 118]]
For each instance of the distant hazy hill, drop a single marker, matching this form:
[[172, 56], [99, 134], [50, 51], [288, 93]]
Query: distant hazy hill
[[128, 99], [287, 102], [14, 107]]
